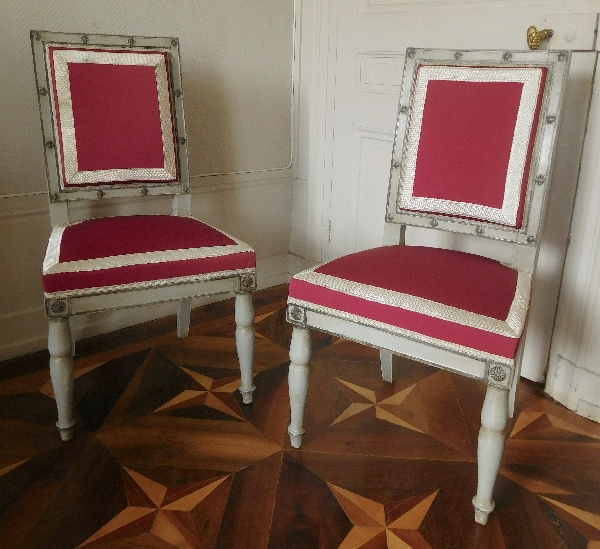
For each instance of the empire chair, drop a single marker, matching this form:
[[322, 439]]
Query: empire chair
[[472, 155], [111, 110]]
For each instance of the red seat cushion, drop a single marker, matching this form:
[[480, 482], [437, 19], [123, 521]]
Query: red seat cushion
[[449, 296], [133, 250]]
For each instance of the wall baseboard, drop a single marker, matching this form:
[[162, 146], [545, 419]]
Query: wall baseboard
[[575, 387]]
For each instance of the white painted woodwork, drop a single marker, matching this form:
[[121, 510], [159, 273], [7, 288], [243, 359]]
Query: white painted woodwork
[[385, 357], [62, 374], [574, 371], [300, 350], [350, 74], [244, 339], [184, 309], [490, 447], [383, 340]]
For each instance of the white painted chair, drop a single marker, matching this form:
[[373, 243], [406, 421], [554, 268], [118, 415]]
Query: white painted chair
[[112, 117], [473, 151]]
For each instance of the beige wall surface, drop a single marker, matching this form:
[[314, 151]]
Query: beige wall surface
[[236, 63], [237, 76]]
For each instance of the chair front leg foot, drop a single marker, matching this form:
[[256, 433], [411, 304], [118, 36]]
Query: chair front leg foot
[[61, 374], [300, 349], [494, 417], [244, 338]]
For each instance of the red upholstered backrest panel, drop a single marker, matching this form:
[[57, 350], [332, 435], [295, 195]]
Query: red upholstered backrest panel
[[470, 141], [113, 113], [466, 138], [117, 117]]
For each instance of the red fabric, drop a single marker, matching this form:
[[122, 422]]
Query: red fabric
[[141, 273], [110, 236], [461, 280], [114, 236], [116, 115], [465, 281], [465, 142], [466, 137]]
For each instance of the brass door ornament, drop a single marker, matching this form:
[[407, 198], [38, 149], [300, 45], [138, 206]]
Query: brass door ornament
[[534, 37]]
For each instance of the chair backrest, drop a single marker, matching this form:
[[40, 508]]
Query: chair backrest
[[111, 109], [474, 143]]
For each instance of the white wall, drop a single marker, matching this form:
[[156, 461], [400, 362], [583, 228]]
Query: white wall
[[237, 75], [574, 372]]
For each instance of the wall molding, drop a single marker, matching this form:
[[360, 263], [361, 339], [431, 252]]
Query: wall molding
[[32, 204], [379, 72], [415, 6]]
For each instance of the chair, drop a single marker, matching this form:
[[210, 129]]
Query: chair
[[111, 110], [472, 155]]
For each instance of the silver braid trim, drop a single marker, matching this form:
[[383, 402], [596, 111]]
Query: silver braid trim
[[53, 250], [162, 283], [402, 332], [517, 315], [73, 176], [512, 327], [146, 258], [507, 214]]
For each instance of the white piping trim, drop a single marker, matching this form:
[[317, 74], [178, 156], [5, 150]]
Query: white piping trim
[[145, 258]]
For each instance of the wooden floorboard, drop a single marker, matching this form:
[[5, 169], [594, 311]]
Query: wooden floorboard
[[166, 455]]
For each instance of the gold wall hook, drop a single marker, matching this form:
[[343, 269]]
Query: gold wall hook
[[534, 37]]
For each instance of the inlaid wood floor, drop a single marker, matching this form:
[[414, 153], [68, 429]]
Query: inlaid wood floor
[[167, 456]]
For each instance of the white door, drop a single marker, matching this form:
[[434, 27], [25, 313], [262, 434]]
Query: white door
[[358, 68]]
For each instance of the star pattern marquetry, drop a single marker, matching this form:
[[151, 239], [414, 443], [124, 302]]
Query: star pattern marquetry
[[166, 455], [166, 513], [8, 468], [383, 408], [216, 394], [371, 524], [538, 424]]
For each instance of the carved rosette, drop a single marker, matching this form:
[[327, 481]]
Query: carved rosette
[[499, 375], [57, 307], [296, 315], [247, 283]]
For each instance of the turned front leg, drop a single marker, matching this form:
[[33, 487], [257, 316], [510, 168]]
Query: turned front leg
[[60, 347], [244, 339], [300, 349], [494, 417]]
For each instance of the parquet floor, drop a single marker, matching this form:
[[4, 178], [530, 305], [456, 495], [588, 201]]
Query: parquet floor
[[166, 455]]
